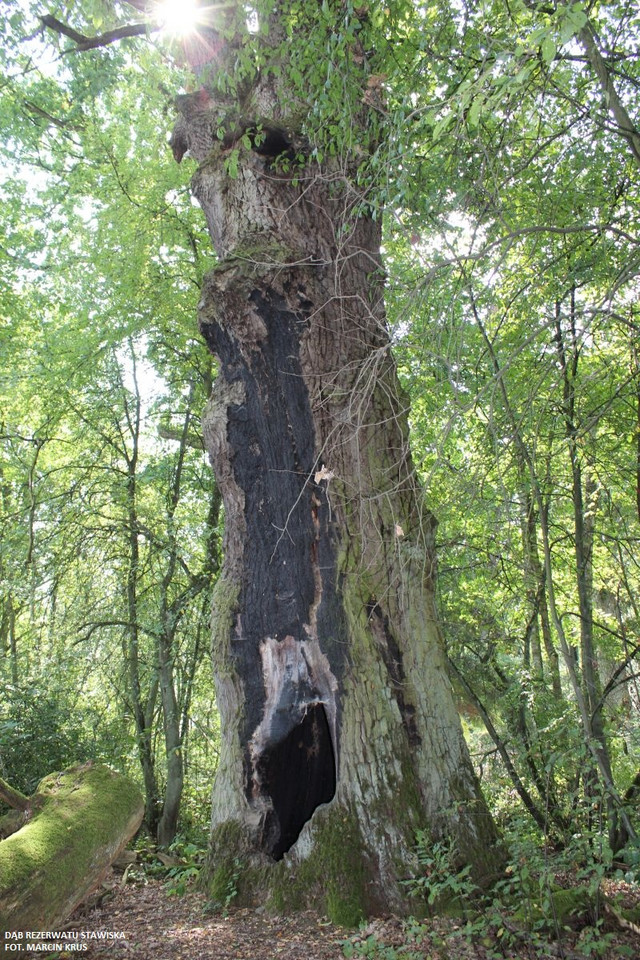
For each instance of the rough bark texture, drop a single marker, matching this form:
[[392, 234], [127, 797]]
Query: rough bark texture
[[81, 820], [340, 735]]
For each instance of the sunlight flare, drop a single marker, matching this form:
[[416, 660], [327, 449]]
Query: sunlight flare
[[178, 17]]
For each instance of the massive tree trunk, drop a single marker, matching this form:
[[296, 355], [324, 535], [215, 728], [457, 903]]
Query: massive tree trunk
[[340, 734]]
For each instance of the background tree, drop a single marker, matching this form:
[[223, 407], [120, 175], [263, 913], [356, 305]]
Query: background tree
[[518, 306], [102, 612]]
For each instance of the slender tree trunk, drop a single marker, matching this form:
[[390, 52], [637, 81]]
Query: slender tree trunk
[[169, 617], [168, 822], [568, 358], [142, 712], [8, 640], [553, 660], [635, 371], [175, 714], [6, 598], [537, 594], [590, 739], [532, 655], [340, 736], [615, 105]]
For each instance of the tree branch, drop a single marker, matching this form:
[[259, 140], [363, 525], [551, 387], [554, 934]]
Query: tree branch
[[83, 42], [193, 440], [13, 797], [34, 108], [616, 107], [521, 789]]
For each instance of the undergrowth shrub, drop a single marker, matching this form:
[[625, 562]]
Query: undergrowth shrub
[[40, 733], [546, 896]]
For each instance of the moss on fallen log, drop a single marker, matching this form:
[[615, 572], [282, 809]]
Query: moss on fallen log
[[80, 820]]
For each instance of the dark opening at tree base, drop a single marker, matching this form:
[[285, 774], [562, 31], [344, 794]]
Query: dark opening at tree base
[[299, 774]]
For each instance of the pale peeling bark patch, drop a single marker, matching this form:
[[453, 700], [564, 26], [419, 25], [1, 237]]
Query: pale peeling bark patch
[[293, 767]]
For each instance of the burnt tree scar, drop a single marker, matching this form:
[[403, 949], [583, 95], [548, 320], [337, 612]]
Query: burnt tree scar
[[394, 663]]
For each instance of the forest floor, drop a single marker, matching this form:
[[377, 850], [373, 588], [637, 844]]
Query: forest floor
[[145, 923], [150, 925]]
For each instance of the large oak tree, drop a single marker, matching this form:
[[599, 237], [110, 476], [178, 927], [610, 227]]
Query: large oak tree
[[340, 733]]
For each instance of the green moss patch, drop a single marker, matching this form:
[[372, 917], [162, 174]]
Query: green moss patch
[[81, 818], [333, 877]]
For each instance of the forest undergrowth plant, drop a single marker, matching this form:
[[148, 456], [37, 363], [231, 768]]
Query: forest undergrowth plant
[[440, 882], [545, 896], [629, 862], [367, 944], [224, 886], [549, 893], [178, 865], [371, 947], [187, 870]]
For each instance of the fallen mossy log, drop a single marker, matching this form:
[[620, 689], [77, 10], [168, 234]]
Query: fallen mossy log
[[78, 822]]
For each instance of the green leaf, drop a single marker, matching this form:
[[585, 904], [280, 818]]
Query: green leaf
[[574, 20], [474, 111], [231, 164], [548, 49], [441, 126]]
